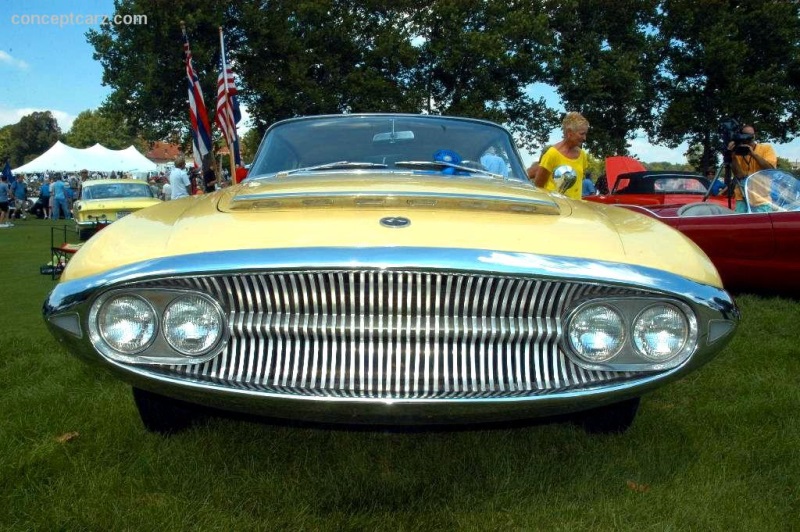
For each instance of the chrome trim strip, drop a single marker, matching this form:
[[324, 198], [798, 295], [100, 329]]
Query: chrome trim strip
[[547, 206], [532, 265]]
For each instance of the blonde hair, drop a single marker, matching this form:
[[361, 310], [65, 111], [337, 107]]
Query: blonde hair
[[572, 121]]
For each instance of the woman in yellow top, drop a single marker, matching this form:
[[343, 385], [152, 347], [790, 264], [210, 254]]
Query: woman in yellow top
[[566, 152]]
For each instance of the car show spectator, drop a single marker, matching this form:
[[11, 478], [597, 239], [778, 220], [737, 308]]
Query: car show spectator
[[44, 198], [748, 158], [602, 185], [19, 194], [4, 197], [59, 194], [179, 180], [567, 152], [209, 173], [588, 185], [494, 163], [241, 173]]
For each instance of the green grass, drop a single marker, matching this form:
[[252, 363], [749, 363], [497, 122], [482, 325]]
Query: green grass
[[718, 450]]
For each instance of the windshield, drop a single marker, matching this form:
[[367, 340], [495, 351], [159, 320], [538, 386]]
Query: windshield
[[772, 191], [430, 144], [116, 190]]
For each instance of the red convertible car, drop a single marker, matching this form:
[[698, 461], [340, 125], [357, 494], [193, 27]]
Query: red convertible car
[[658, 187], [756, 251]]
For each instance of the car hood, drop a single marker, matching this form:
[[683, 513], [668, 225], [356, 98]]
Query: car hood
[[318, 211]]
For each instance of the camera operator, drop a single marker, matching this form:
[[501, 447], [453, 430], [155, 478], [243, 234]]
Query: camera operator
[[748, 157]]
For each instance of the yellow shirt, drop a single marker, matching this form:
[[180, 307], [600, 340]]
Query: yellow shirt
[[750, 166], [553, 158]]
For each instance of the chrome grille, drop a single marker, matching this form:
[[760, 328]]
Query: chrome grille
[[390, 334]]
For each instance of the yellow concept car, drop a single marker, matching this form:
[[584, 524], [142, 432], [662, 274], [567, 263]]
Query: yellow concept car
[[103, 201], [373, 270]]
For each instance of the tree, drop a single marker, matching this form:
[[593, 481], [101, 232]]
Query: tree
[[726, 59], [299, 57], [144, 64], [33, 135], [478, 59], [249, 144], [101, 126], [603, 66]]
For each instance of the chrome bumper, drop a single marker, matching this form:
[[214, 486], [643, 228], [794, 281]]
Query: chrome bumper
[[486, 378]]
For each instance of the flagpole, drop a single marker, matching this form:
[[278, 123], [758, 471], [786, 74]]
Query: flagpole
[[231, 155]]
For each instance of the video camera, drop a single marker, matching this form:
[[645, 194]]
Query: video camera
[[731, 131]]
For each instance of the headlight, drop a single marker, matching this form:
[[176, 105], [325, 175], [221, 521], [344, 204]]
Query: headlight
[[192, 325], [127, 323], [660, 332], [597, 333]]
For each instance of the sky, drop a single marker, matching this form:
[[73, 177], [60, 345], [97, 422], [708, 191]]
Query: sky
[[49, 67]]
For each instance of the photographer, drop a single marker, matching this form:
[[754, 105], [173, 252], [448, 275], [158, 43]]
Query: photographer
[[748, 157]]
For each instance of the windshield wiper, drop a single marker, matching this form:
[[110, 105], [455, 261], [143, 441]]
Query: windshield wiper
[[340, 165], [439, 165]]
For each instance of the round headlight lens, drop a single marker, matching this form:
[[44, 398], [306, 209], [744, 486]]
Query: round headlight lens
[[127, 324], [192, 325], [596, 333], [660, 332]]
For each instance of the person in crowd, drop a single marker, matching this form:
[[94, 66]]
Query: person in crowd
[[717, 185], [68, 192], [19, 193], [179, 180], [4, 196], [59, 195], [241, 173], [759, 156], [568, 152], [166, 191], [209, 173], [602, 185], [588, 185], [494, 163], [44, 198], [83, 177]]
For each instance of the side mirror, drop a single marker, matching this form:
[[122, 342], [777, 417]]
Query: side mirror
[[564, 177]]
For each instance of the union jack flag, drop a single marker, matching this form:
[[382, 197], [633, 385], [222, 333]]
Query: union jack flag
[[228, 112], [201, 130]]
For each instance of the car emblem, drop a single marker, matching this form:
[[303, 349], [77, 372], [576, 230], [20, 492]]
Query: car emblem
[[395, 221]]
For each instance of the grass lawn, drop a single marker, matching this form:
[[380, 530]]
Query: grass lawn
[[719, 450]]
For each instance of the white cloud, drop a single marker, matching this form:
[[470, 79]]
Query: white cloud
[[6, 58], [12, 116]]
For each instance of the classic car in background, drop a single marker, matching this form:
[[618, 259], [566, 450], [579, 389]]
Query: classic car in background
[[370, 270], [658, 187], [104, 201], [757, 251]]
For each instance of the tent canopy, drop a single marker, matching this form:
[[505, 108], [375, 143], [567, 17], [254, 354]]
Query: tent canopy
[[98, 158]]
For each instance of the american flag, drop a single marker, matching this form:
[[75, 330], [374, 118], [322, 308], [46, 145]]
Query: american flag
[[201, 130], [228, 113]]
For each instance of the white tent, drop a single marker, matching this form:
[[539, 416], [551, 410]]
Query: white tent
[[98, 158]]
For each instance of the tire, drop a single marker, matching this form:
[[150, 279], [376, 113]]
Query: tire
[[164, 415], [609, 419], [85, 234]]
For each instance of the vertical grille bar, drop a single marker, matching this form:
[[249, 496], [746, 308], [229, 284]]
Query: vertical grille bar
[[374, 333]]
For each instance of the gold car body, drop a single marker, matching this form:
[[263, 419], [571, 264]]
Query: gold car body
[[370, 270], [299, 212]]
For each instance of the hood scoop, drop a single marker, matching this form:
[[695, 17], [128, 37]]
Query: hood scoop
[[261, 201]]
